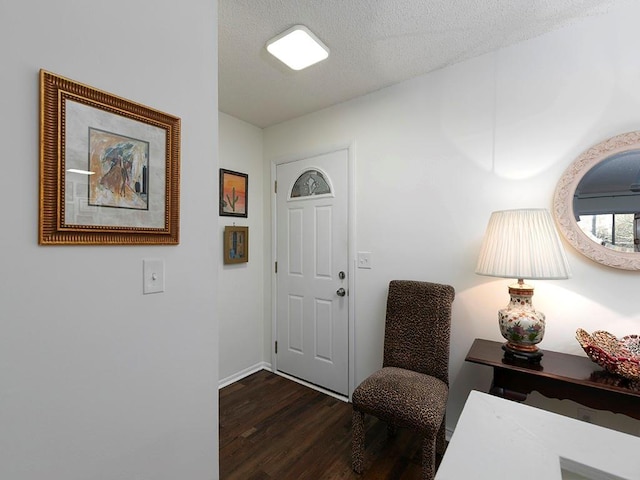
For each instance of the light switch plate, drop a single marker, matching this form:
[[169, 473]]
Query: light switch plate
[[364, 260], [153, 275]]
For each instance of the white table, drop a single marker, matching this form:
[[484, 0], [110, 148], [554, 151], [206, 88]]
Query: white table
[[501, 439]]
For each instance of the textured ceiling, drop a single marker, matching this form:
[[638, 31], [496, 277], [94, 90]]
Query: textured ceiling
[[373, 43]]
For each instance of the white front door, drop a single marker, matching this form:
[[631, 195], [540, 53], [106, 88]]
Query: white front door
[[312, 311]]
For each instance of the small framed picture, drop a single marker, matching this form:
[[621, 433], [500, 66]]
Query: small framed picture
[[233, 193], [236, 244]]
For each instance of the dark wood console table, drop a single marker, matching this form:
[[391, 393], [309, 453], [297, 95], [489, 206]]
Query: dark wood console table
[[559, 375]]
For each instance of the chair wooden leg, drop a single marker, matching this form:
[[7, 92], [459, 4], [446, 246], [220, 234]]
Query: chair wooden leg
[[441, 439], [357, 441], [428, 457]]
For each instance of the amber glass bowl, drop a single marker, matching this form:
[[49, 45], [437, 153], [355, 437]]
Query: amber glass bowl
[[620, 356]]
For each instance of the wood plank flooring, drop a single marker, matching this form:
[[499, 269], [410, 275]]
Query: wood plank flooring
[[274, 428]]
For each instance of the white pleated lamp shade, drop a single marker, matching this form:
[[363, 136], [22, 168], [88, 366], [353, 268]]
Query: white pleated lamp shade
[[522, 244]]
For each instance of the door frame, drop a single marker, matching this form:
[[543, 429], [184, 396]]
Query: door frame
[[351, 241]]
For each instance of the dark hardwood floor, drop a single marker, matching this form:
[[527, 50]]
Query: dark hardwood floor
[[273, 428]]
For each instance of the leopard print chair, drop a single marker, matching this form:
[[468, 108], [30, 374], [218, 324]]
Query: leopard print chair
[[411, 389]]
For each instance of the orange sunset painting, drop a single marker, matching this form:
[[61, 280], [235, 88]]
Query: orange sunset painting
[[233, 193]]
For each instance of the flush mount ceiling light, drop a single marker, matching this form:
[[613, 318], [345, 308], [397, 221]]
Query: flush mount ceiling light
[[298, 48]]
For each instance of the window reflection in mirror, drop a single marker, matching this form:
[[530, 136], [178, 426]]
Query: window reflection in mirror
[[611, 230], [606, 203]]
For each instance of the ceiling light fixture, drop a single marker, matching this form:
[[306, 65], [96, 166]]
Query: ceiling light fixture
[[298, 48]]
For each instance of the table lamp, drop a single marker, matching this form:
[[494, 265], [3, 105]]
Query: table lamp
[[522, 244]]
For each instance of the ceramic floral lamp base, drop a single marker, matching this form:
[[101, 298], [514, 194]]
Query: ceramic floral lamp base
[[521, 325]]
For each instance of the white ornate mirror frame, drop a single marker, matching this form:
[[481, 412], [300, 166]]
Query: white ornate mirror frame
[[563, 202]]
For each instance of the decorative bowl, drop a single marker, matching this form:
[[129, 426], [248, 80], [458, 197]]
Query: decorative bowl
[[620, 356]]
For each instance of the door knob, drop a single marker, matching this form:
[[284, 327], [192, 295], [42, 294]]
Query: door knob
[[341, 292]]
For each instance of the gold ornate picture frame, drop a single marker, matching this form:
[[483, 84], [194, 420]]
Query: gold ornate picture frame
[[109, 168]]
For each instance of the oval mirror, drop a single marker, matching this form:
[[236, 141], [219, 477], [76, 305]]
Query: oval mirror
[[597, 202]]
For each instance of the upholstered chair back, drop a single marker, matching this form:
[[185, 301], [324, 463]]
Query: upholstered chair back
[[417, 328]]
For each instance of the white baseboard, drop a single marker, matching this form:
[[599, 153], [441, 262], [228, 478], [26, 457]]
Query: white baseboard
[[243, 373], [448, 434], [313, 387]]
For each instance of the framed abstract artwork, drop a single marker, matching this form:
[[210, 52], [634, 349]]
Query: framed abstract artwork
[[233, 193], [109, 168], [236, 244]]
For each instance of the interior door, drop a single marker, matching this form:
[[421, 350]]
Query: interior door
[[312, 302]]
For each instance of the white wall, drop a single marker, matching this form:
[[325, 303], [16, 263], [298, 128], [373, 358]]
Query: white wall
[[437, 154], [241, 286], [98, 381]]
